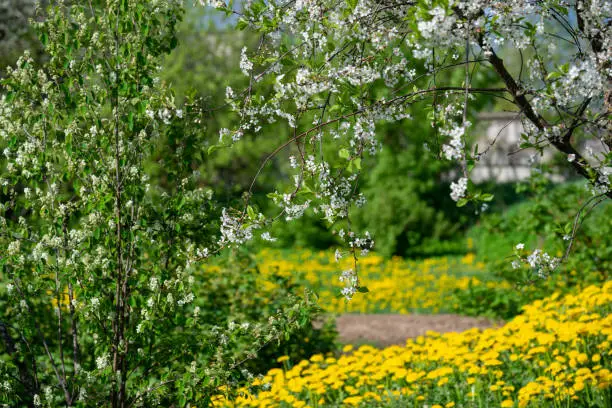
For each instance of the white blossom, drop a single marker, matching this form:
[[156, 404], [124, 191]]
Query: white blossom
[[102, 361], [246, 66], [267, 237], [459, 189]]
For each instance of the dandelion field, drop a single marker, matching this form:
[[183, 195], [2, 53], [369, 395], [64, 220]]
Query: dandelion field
[[394, 285], [555, 353]]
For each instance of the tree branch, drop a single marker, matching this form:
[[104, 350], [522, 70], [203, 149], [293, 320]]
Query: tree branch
[[562, 143], [516, 91]]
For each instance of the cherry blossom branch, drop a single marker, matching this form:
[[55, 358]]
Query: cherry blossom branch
[[561, 144]]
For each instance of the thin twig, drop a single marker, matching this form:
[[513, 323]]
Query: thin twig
[[583, 211], [467, 95]]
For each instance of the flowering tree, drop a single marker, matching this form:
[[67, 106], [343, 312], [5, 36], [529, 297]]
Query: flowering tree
[[99, 303], [338, 69]]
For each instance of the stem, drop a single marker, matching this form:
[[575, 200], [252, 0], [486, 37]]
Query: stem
[[59, 322], [61, 380], [467, 94], [75, 335], [118, 396]]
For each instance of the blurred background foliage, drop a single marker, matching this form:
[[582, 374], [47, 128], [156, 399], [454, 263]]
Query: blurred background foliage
[[15, 33]]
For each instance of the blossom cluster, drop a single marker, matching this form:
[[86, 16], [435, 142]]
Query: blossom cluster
[[540, 263]]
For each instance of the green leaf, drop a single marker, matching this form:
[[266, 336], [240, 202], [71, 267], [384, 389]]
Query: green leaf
[[242, 24], [212, 148], [344, 154], [462, 202], [131, 121], [349, 168], [487, 197], [251, 212], [10, 96], [351, 4], [363, 289]]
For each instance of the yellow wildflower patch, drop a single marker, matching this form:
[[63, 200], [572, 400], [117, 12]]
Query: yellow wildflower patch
[[395, 285], [521, 364]]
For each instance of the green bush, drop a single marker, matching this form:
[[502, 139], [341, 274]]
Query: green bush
[[407, 202], [479, 300], [232, 291], [539, 222]]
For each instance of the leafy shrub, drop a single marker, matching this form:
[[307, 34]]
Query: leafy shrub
[[478, 300], [407, 204], [539, 223], [235, 290]]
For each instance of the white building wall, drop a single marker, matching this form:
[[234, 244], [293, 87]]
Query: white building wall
[[504, 161]]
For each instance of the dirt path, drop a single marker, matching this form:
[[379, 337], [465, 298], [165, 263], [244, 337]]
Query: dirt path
[[387, 329]]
